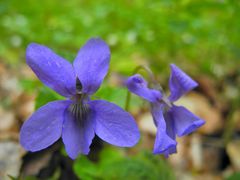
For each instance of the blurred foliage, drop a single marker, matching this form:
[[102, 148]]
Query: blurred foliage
[[114, 164], [29, 85], [200, 36], [187, 32], [234, 176], [112, 94], [46, 95], [116, 95], [12, 178]]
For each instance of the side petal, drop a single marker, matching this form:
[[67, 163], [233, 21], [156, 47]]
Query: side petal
[[179, 83], [114, 125], [170, 124], [44, 127], [77, 135], [137, 85], [91, 64], [163, 142], [185, 122], [51, 69]]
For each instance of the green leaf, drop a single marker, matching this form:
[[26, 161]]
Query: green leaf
[[12, 178], [115, 164], [85, 169], [142, 166], [116, 95], [234, 176], [46, 95]]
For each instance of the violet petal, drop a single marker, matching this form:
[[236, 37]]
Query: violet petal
[[170, 132], [163, 141], [114, 125], [77, 135], [137, 85], [54, 71], [185, 122], [91, 64], [44, 127], [179, 83]]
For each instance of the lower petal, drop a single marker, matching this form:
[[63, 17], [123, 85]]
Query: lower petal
[[44, 127], [185, 122], [77, 135], [114, 125], [170, 150], [164, 142]]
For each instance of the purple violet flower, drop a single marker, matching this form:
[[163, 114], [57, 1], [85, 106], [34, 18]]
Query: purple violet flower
[[170, 120], [78, 118]]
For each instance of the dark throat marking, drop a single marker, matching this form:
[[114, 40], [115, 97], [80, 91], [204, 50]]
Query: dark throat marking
[[79, 109]]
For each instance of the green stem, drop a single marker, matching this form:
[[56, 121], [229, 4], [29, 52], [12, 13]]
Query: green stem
[[128, 98]]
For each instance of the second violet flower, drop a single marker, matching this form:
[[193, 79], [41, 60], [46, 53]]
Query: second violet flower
[[170, 120]]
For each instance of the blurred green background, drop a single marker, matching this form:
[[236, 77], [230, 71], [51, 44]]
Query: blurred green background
[[200, 36], [203, 34]]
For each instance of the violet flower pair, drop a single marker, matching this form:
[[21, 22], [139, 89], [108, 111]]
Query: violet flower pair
[[78, 118]]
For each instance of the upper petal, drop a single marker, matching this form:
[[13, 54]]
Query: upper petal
[[179, 83], [51, 69], [91, 64], [113, 124], [139, 86], [185, 122], [163, 142], [44, 127], [77, 135]]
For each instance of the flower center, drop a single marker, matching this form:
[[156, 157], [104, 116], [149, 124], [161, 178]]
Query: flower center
[[80, 111], [79, 108], [166, 101]]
